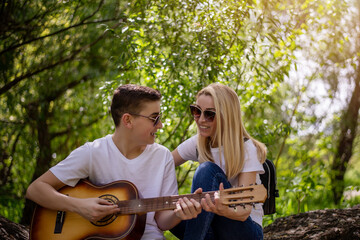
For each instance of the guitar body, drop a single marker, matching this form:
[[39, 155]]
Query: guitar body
[[49, 224]]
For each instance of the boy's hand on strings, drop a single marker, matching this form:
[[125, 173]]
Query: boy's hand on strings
[[188, 208]]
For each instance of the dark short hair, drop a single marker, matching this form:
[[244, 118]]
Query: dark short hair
[[129, 98]]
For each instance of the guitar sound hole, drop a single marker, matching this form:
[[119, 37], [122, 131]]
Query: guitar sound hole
[[110, 218]]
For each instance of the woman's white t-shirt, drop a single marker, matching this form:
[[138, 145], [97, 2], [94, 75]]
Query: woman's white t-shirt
[[152, 172], [187, 151]]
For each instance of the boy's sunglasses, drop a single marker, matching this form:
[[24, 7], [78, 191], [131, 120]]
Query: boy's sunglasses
[[208, 114], [156, 119]]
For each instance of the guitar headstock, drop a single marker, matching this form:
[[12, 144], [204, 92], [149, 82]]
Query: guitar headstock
[[243, 195]]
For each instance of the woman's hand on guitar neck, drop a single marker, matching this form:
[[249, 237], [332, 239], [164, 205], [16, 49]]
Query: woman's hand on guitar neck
[[215, 206], [94, 209]]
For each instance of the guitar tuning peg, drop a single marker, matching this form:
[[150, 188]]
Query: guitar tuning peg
[[233, 206], [251, 204]]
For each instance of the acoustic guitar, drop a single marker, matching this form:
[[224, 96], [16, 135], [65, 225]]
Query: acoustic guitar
[[129, 224]]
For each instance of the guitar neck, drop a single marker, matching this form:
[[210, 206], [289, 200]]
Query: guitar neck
[[156, 204], [230, 197]]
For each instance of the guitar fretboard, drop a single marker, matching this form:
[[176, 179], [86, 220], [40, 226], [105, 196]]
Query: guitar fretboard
[[156, 204]]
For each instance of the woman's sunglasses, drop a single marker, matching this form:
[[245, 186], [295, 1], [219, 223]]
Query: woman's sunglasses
[[208, 114]]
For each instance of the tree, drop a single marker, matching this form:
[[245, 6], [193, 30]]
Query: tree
[[53, 56], [348, 57], [335, 58]]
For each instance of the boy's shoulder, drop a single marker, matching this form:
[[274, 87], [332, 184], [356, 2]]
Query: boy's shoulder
[[99, 142], [158, 147]]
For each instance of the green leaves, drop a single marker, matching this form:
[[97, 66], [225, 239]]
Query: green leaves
[[61, 61]]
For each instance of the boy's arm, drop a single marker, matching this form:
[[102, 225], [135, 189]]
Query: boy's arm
[[185, 209], [44, 192]]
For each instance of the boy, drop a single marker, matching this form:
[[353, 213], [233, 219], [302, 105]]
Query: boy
[[129, 154]]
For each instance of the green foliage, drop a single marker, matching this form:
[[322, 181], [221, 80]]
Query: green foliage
[[169, 236], [61, 60], [54, 58]]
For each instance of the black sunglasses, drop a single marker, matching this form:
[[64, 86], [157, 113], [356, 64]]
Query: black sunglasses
[[208, 114], [156, 119]]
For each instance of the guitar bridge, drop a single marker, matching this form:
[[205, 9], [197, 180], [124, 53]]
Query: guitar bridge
[[60, 218]]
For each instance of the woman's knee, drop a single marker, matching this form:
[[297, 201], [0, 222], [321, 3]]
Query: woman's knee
[[208, 168], [208, 176]]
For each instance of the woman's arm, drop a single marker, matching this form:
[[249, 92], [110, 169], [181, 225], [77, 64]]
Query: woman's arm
[[178, 160], [188, 151]]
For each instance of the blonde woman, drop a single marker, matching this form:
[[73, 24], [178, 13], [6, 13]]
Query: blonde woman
[[228, 157]]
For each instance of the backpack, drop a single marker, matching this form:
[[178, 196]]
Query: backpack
[[268, 179]]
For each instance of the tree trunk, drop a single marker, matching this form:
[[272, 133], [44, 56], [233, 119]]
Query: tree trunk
[[12, 231], [346, 140], [44, 158], [330, 224]]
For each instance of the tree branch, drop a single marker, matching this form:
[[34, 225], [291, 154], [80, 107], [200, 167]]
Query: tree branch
[[57, 32], [12, 83], [290, 121], [69, 129], [6, 170]]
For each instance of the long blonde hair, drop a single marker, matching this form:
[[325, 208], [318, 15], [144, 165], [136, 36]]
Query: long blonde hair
[[230, 131]]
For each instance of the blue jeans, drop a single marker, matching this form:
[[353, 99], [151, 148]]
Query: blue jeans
[[208, 225]]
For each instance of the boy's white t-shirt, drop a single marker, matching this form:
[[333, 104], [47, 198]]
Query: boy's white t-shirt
[[187, 151], [152, 172]]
